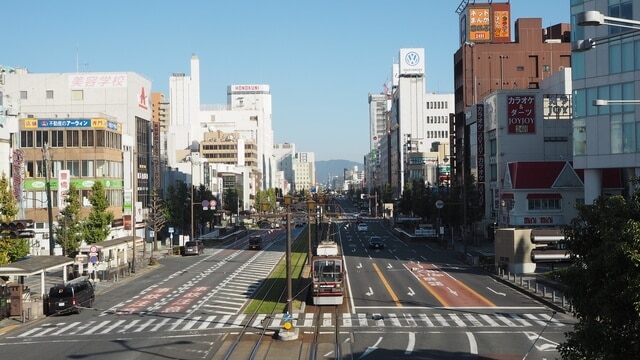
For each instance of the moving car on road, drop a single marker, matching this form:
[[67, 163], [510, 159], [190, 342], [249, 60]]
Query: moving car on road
[[375, 242]]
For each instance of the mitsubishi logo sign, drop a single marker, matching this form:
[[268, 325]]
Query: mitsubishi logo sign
[[412, 58]]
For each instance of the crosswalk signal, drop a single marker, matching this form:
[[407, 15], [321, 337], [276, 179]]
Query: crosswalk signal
[[17, 229]]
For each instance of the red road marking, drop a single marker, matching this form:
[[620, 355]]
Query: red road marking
[[180, 304], [144, 302], [449, 291]]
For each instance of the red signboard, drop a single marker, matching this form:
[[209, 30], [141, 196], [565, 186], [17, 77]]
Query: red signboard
[[521, 114]]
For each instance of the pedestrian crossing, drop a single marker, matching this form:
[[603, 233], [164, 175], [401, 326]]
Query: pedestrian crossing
[[132, 325]]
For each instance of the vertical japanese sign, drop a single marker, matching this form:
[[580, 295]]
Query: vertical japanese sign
[[521, 114], [18, 178], [64, 179], [501, 24], [480, 23]]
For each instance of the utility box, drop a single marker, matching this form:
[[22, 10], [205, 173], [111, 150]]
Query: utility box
[[15, 296]]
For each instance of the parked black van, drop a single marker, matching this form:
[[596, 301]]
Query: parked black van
[[255, 242], [72, 296]]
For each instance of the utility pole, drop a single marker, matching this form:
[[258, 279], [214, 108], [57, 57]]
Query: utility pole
[[134, 199], [46, 157]]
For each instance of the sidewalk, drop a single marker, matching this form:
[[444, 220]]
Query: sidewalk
[[101, 287]]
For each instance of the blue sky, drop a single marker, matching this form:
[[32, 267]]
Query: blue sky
[[321, 59]]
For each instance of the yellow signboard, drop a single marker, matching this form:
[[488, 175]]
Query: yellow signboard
[[479, 23]]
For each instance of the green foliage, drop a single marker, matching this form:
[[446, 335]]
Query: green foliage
[[69, 230], [10, 249], [604, 280], [231, 200], [8, 204], [203, 217], [176, 205], [97, 225], [261, 198]]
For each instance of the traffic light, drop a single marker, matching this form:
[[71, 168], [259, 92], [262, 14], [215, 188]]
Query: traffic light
[[17, 229]]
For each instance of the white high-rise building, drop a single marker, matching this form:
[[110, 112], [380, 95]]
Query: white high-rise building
[[247, 115]]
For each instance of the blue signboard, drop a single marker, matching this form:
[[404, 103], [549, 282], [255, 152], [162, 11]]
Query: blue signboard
[[44, 123]]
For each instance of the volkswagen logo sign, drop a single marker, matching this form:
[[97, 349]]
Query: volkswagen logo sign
[[412, 58]]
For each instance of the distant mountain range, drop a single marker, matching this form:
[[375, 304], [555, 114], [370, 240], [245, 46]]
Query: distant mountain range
[[330, 168]]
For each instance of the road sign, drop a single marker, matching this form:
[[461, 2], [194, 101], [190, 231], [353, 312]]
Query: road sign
[[439, 204], [171, 230], [287, 321], [93, 259], [93, 249]]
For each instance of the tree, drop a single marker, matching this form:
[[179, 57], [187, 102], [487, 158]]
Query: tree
[[10, 249], [177, 206], [69, 230], [96, 227], [261, 198], [203, 217], [157, 218], [603, 280]]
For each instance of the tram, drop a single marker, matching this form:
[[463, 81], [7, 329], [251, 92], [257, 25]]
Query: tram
[[327, 274]]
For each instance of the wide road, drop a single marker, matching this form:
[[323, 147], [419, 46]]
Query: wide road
[[405, 301], [427, 302], [173, 312]]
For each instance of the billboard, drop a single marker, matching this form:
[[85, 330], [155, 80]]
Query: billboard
[[521, 114], [412, 62], [485, 22]]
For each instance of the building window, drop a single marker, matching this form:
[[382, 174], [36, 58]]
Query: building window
[[29, 170], [24, 95], [73, 138], [26, 138], [56, 166], [102, 168], [49, 94], [77, 95], [623, 9], [42, 138], [100, 138], [74, 167], [87, 168], [544, 204], [57, 138], [87, 138]]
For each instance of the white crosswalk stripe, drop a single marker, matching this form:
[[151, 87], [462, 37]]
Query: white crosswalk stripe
[[119, 325]]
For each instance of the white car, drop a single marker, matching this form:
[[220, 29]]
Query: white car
[[363, 227]]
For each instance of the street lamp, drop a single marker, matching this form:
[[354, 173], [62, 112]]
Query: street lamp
[[603, 102], [596, 18], [287, 202]]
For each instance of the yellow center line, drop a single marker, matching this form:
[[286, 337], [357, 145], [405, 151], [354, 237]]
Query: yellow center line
[[433, 292], [474, 293], [386, 285]]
